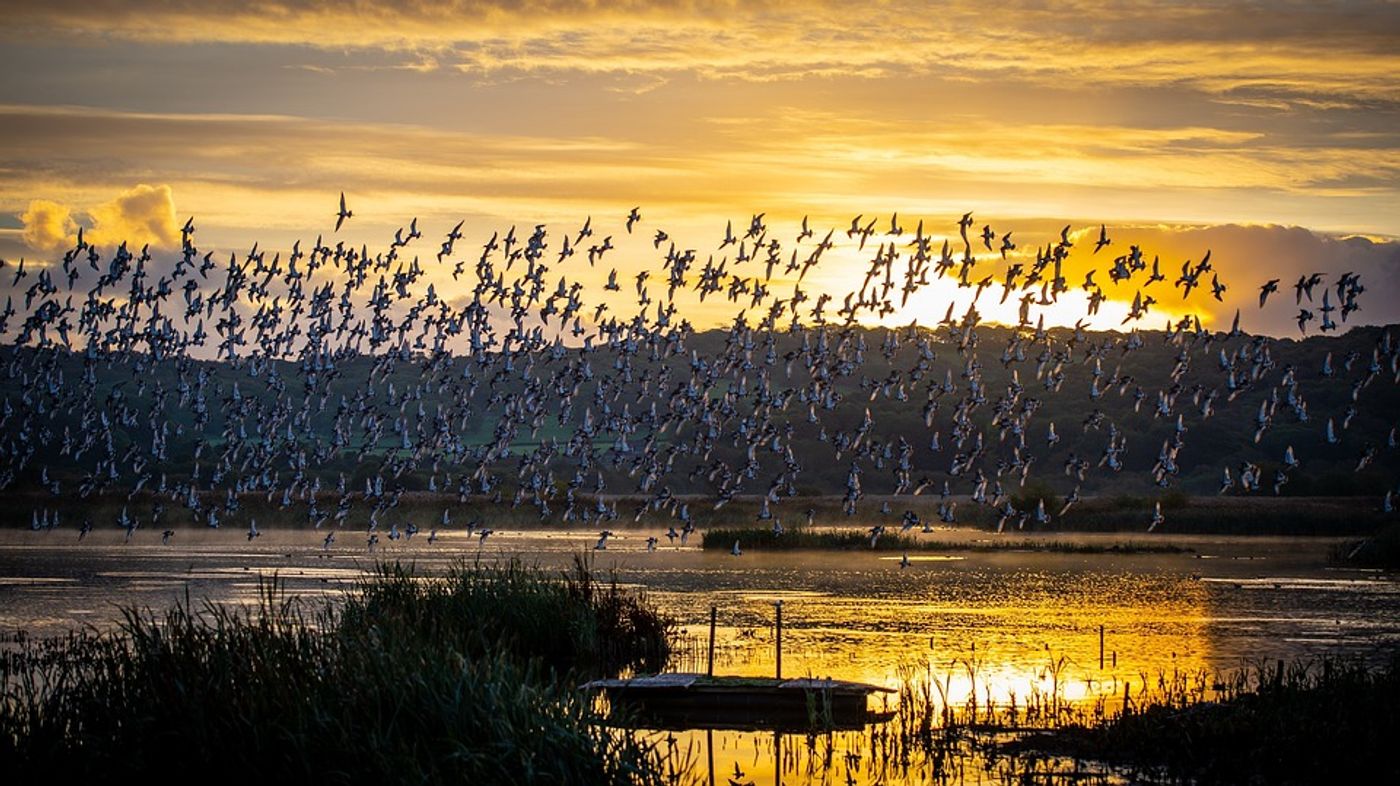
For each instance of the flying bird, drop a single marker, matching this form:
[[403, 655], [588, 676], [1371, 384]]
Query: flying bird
[[343, 214], [1267, 289]]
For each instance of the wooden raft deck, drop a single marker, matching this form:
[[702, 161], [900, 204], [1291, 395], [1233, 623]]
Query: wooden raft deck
[[698, 701]]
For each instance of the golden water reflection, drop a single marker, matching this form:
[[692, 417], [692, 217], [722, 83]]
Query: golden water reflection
[[1002, 640], [1043, 641]]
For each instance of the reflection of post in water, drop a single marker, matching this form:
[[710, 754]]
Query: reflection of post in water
[[777, 758], [710, 749]]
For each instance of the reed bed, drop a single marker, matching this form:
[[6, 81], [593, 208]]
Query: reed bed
[[1325, 720], [468, 678], [1305, 722]]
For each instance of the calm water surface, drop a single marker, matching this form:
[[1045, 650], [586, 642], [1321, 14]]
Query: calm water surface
[[1010, 624]]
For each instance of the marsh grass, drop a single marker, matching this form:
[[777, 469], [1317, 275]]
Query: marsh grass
[[1305, 722], [466, 678], [1318, 722], [577, 623]]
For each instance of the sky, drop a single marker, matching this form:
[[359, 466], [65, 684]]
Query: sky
[[1266, 133]]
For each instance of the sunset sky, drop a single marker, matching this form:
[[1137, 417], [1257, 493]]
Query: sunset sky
[[1268, 133]]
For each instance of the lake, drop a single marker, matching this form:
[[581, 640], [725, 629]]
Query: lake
[[1007, 625]]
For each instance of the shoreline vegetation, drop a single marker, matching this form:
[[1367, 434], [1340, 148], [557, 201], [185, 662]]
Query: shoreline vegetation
[[1326, 721], [465, 678], [1316, 721]]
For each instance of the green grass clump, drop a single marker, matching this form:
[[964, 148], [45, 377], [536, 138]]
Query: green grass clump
[[463, 679], [575, 624]]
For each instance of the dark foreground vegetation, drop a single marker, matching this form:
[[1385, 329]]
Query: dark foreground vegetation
[[1324, 722], [468, 678]]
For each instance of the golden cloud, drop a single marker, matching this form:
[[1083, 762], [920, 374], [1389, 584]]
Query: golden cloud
[[144, 215], [48, 225]]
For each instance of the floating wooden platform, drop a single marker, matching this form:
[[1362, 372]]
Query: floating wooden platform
[[698, 701]]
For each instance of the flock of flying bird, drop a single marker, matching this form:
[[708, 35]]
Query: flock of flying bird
[[272, 374]]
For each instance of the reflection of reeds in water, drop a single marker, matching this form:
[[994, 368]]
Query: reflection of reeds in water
[[1326, 721], [689, 654]]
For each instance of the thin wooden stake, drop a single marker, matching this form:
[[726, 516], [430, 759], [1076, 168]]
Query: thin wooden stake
[[710, 663], [780, 638]]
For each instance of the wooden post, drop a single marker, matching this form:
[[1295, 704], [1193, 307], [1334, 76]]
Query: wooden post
[[1100, 648], [710, 663], [780, 638]]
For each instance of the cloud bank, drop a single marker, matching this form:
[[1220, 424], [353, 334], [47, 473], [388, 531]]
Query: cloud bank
[[140, 216], [1254, 51]]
